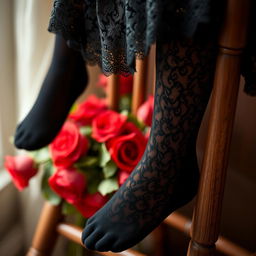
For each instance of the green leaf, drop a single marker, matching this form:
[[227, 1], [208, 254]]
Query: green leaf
[[47, 192], [93, 185], [94, 177], [125, 102], [68, 209], [95, 146], [73, 108], [86, 130], [109, 169], [108, 186], [133, 119], [88, 161], [40, 156], [125, 113], [104, 155]]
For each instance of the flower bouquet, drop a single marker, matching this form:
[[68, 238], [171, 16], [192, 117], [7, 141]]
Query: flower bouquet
[[92, 155]]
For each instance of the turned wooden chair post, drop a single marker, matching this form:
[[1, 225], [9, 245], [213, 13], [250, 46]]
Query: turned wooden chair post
[[206, 219]]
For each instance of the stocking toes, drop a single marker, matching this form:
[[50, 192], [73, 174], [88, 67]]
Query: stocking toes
[[117, 247], [93, 238], [87, 231], [105, 243]]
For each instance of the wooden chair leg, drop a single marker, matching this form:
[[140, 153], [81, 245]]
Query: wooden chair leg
[[139, 84], [206, 220], [158, 239], [46, 235], [113, 92]]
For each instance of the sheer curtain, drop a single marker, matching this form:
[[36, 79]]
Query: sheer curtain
[[25, 49], [34, 46]]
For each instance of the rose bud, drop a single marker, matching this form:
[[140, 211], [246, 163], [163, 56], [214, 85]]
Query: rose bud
[[107, 125], [88, 109], [68, 146], [90, 204], [125, 83], [147, 135], [103, 81], [69, 184], [122, 176], [21, 169], [145, 111]]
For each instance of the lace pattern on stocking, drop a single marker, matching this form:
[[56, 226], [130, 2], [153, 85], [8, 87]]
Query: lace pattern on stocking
[[166, 176]]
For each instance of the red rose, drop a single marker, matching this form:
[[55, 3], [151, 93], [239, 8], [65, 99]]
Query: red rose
[[69, 184], [125, 83], [107, 125], [21, 169], [127, 150], [122, 176], [90, 204], [68, 146], [88, 109], [130, 127], [145, 111]]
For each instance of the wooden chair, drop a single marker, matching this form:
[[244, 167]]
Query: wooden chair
[[204, 229]]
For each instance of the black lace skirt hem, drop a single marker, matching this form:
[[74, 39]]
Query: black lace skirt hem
[[112, 34]]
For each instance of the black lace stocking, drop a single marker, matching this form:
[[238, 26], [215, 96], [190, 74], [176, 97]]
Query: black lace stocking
[[167, 176], [65, 81]]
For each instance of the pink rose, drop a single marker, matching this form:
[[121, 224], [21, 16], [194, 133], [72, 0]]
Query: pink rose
[[21, 169], [125, 83], [90, 204], [122, 176], [145, 111], [147, 135], [103, 81], [127, 150], [68, 146], [107, 125], [88, 109], [69, 184]]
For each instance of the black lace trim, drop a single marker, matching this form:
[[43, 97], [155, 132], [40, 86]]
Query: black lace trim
[[113, 33]]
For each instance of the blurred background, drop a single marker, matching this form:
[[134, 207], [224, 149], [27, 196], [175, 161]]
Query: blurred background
[[25, 53]]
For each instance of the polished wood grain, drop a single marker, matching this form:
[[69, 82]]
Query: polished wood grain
[[45, 235], [139, 84], [73, 233], [206, 219], [223, 245], [113, 92]]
